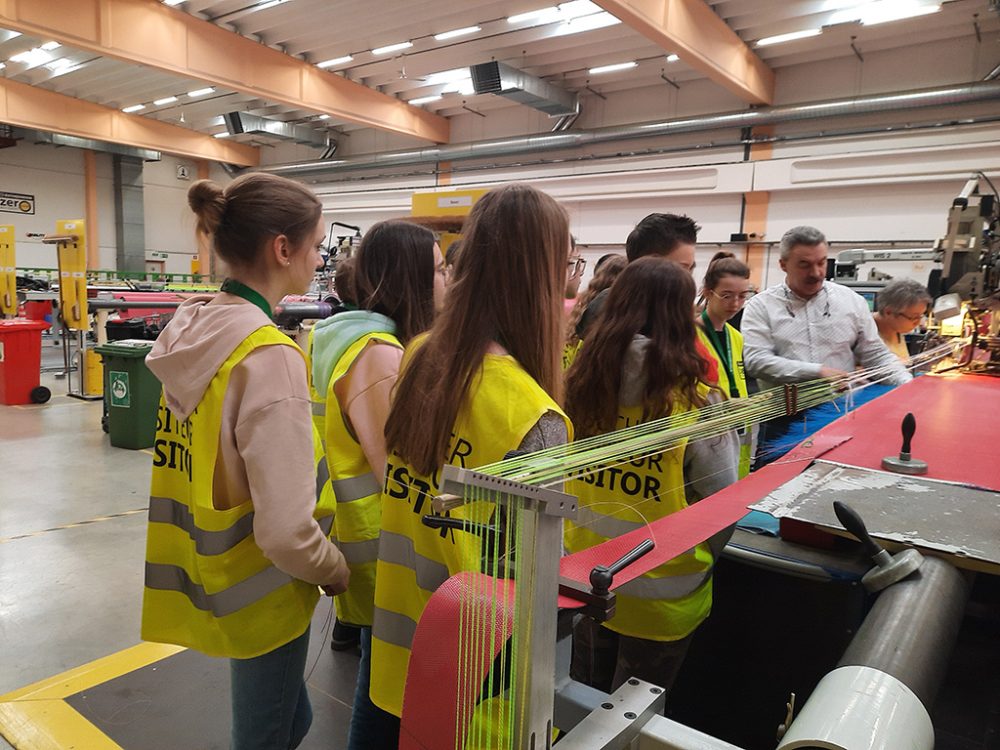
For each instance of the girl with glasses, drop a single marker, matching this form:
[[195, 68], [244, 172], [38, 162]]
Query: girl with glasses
[[725, 290]]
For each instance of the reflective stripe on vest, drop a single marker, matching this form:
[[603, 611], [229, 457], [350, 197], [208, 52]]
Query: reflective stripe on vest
[[398, 549], [208, 585], [167, 510], [394, 628], [502, 405], [356, 488]]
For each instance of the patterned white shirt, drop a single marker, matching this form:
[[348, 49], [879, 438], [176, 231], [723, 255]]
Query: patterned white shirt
[[788, 339]]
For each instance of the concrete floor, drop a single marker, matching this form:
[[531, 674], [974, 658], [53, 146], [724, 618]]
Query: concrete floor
[[72, 538]]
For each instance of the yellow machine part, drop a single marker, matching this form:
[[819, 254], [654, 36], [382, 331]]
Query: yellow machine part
[[8, 277], [72, 255], [93, 374]]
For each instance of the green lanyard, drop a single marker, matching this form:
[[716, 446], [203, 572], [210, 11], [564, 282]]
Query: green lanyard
[[231, 286], [725, 354]]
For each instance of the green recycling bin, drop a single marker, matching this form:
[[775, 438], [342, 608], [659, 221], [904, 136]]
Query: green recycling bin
[[131, 393]]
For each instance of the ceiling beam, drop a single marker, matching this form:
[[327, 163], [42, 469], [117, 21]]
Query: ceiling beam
[[32, 107], [148, 33], [692, 30]]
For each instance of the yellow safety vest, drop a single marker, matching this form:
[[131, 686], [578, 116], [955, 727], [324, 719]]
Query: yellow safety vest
[[358, 494], [502, 406], [569, 354], [318, 399], [670, 601], [735, 340], [208, 585]]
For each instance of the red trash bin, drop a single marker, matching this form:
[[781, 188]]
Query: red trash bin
[[20, 362]]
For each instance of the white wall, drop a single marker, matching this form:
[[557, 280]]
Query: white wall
[[54, 175]]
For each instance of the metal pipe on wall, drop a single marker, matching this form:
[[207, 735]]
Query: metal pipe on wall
[[502, 147]]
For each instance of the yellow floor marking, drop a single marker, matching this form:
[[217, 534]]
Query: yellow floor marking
[[147, 450], [95, 673], [36, 717], [50, 725], [75, 524]]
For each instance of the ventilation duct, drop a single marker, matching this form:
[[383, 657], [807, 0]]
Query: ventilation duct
[[516, 85], [238, 123], [59, 139], [945, 96]]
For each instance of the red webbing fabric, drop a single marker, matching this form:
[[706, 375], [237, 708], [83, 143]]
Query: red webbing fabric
[[958, 428]]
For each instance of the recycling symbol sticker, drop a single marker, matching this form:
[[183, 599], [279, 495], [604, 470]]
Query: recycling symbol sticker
[[118, 387]]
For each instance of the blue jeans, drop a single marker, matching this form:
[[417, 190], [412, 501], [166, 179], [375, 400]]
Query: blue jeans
[[371, 727], [271, 709]]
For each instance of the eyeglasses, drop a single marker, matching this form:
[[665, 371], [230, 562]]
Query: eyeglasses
[[732, 296], [911, 318], [575, 267]]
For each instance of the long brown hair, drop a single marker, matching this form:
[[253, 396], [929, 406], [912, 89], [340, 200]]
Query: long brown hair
[[394, 275], [653, 297], [604, 276], [507, 288]]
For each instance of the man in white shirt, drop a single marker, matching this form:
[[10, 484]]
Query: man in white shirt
[[807, 328]]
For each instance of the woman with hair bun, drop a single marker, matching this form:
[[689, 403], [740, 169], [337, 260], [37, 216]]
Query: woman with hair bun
[[725, 290], [239, 515]]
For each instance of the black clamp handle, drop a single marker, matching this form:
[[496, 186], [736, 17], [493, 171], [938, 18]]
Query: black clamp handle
[[909, 427], [483, 530], [856, 526], [601, 577]]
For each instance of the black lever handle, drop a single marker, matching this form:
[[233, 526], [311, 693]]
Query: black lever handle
[[854, 524], [459, 524], [601, 577], [909, 428]]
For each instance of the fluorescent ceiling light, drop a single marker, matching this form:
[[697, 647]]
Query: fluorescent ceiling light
[[51, 46], [165, 100], [424, 100], [448, 76], [220, 135], [13, 35], [34, 56], [133, 108], [391, 48], [790, 37], [534, 14], [334, 61], [201, 92], [323, 117], [457, 32], [611, 68], [883, 11], [172, 2], [265, 5], [673, 58], [2, 66], [587, 23]]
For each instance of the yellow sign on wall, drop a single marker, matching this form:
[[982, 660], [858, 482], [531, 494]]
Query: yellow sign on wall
[[450, 203], [72, 254], [8, 276]]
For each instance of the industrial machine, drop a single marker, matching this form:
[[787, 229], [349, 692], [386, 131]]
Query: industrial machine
[[966, 286], [504, 618]]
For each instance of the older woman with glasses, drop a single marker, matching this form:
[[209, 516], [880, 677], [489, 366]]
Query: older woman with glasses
[[899, 308]]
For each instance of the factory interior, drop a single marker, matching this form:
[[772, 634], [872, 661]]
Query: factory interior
[[841, 592]]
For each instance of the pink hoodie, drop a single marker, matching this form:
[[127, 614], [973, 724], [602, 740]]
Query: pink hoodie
[[265, 443]]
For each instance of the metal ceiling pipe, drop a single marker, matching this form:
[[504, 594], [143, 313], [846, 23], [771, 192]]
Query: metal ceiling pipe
[[964, 93]]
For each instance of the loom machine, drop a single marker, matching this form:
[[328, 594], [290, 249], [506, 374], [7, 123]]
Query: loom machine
[[490, 665], [966, 286]]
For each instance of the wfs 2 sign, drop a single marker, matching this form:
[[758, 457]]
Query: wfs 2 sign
[[17, 203]]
